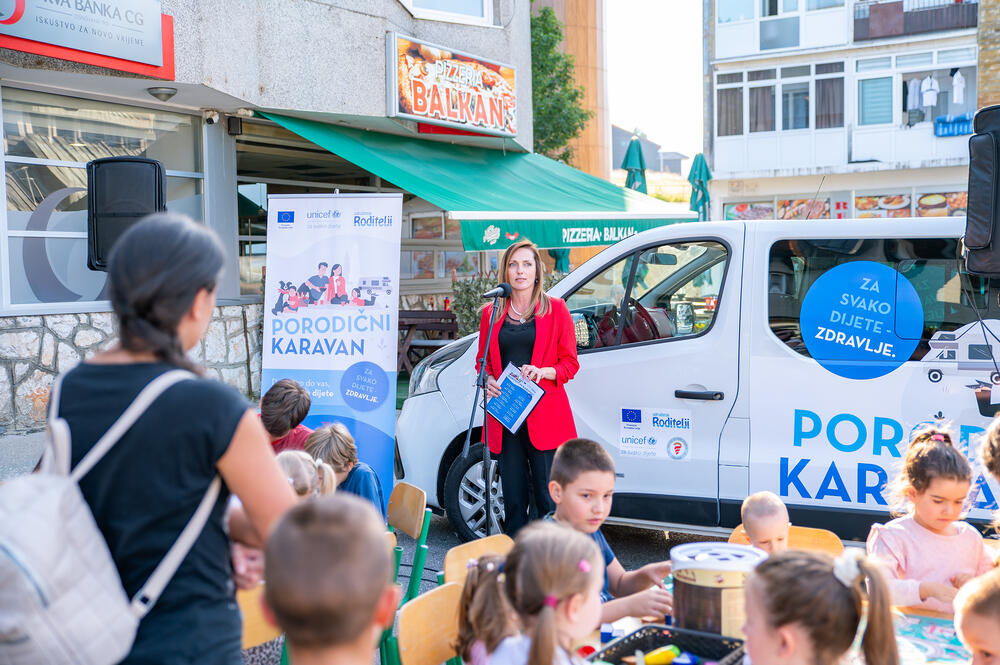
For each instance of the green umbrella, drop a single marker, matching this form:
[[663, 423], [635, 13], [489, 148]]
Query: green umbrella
[[635, 164], [699, 177]]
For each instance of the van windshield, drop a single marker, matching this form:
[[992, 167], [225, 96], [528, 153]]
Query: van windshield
[[933, 266]]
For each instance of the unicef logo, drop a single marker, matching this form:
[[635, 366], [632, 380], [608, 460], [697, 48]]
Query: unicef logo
[[677, 448]]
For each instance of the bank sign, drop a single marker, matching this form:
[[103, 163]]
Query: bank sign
[[125, 29], [441, 86]]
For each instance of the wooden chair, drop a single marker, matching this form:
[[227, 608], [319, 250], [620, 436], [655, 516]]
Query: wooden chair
[[800, 538], [428, 627], [256, 628], [408, 512], [457, 558]]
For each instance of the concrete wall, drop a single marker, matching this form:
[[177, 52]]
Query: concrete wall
[[35, 349]]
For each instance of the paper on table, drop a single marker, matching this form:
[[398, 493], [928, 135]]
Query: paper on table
[[518, 396]]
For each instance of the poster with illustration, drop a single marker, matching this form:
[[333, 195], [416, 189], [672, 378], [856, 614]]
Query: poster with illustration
[[331, 312], [880, 206]]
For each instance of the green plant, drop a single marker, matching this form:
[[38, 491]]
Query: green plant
[[558, 114], [467, 301]]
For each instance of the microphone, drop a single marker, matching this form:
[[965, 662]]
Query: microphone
[[502, 291]]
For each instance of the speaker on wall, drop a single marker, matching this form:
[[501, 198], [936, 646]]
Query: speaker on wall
[[982, 232], [120, 192]]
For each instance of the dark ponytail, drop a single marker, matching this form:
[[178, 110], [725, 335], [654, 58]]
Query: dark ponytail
[[156, 269]]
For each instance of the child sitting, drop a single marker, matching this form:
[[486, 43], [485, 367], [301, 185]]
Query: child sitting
[[805, 608], [331, 608], [977, 617], [484, 615], [282, 409], [308, 477], [765, 522], [581, 484], [930, 553], [553, 580], [334, 445]]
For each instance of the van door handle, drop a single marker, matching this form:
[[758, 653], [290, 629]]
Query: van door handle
[[711, 395]]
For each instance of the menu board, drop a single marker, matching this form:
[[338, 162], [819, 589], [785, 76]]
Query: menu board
[[945, 204], [882, 205], [748, 211], [804, 209]]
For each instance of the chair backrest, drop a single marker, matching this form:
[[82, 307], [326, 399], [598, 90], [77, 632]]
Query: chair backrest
[[390, 540], [428, 627], [457, 558], [405, 512], [256, 628], [800, 538]]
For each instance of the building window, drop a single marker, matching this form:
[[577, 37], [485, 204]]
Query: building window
[[829, 103], [796, 72], [823, 4], [479, 12], [875, 101], [873, 64], [729, 11], [779, 33], [915, 59], [762, 109], [48, 140], [723, 79], [829, 68], [795, 105], [730, 111]]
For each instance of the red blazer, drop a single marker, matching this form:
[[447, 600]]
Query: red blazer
[[550, 424]]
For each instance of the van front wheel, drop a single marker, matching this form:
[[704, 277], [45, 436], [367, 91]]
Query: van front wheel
[[465, 498]]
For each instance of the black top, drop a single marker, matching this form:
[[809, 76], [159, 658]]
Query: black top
[[516, 341], [145, 490]]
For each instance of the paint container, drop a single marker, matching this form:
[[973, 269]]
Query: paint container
[[708, 585]]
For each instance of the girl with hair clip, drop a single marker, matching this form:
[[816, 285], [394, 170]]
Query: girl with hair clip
[[309, 477], [554, 575], [806, 608], [484, 615], [929, 553]]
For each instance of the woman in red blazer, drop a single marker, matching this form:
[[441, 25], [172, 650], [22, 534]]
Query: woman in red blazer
[[536, 334]]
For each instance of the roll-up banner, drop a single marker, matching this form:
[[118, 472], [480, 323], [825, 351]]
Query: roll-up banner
[[331, 312]]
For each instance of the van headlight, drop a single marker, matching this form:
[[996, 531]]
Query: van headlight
[[425, 375]]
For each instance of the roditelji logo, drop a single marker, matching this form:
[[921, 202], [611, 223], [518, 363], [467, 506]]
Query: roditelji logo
[[11, 11], [286, 217]]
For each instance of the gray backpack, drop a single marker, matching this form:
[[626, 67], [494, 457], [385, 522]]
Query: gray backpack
[[61, 599]]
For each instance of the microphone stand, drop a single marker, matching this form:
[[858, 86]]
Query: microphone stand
[[481, 386]]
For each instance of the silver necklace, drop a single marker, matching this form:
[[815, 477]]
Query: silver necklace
[[520, 316]]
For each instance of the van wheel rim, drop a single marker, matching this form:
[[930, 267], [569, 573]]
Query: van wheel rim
[[472, 501]]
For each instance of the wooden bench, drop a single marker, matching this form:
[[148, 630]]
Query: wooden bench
[[412, 322]]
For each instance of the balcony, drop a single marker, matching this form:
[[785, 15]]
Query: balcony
[[877, 19]]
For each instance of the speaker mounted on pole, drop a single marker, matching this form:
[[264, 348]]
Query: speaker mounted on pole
[[120, 192]]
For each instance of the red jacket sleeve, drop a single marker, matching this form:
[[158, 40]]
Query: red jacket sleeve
[[566, 365]]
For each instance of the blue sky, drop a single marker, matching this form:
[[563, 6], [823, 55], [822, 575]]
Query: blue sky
[[654, 53]]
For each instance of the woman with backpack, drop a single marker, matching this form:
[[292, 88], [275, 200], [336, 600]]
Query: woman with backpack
[[162, 279]]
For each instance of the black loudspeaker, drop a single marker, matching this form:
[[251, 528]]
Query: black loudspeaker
[[120, 192], [982, 232]]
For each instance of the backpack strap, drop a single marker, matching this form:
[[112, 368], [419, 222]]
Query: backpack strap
[[56, 455], [139, 405]]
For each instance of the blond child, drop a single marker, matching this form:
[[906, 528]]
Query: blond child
[[805, 608], [765, 522], [553, 580], [307, 475], [485, 617], [929, 553], [581, 484], [331, 608], [334, 445], [977, 618]]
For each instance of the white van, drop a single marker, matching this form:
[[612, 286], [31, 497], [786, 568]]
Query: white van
[[723, 358]]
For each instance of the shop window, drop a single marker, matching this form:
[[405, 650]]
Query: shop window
[[730, 111], [875, 101], [931, 265], [882, 205], [803, 208], [452, 229], [762, 109], [426, 228], [461, 264], [795, 105], [748, 211], [729, 11]]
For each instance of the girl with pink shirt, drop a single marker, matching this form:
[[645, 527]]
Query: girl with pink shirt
[[930, 552]]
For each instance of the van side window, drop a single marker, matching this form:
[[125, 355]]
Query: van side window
[[932, 265], [673, 293]]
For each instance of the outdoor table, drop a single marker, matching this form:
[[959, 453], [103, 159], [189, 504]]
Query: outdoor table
[[411, 322]]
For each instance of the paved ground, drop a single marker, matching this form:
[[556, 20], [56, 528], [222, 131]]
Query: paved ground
[[633, 547], [19, 453]]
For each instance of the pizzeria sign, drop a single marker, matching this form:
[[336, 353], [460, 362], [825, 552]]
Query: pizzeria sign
[[440, 86]]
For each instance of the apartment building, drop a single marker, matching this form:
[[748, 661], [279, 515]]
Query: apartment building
[[839, 108]]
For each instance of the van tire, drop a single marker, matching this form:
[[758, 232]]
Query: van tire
[[463, 496], [934, 375]]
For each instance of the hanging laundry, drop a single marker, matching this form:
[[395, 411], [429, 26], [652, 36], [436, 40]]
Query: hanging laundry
[[929, 90], [958, 88], [913, 93]]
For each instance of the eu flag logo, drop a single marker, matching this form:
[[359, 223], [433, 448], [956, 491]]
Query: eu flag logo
[[286, 216], [631, 415]]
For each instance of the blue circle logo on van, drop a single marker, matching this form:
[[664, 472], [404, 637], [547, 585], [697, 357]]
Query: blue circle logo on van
[[861, 320]]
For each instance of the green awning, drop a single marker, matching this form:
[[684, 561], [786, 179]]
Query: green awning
[[498, 197]]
